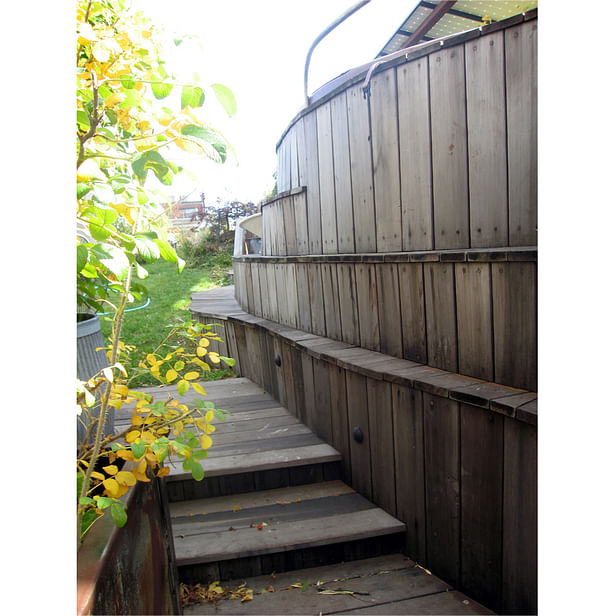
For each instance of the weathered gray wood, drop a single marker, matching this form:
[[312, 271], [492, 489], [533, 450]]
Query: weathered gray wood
[[264, 290], [412, 305], [322, 400], [290, 228], [410, 467], [254, 369], [481, 502], [349, 307], [301, 224], [515, 324], [331, 300], [449, 148], [304, 313], [389, 309], [442, 486], [316, 300], [341, 165], [291, 294], [283, 167], [327, 180], [522, 111], [271, 288], [519, 541], [293, 157], [361, 171], [415, 155], [367, 295], [247, 273], [312, 183], [487, 141], [385, 156], [474, 319], [256, 289], [277, 372], [309, 395], [440, 316], [382, 450], [339, 418], [358, 417], [281, 283]]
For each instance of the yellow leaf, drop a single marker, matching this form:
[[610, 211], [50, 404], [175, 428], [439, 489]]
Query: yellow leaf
[[206, 442], [163, 472], [209, 416], [120, 390], [132, 436], [112, 487], [126, 478], [148, 437], [136, 420], [151, 359], [199, 389], [179, 365], [171, 375], [111, 469], [200, 351], [97, 475], [214, 357], [125, 454], [209, 429], [190, 376], [204, 342]]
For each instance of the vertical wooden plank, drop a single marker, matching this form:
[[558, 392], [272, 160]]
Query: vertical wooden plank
[[382, 450], [449, 148], [361, 171], [440, 316], [521, 112], [277, 372], [307, 375], [280, 287], [519, 545], [293, 157], [270, 381], [301, 151], [367, 295], [327, 180], [385, 156], [280, 227], [233, 349], [265, 241], [300, 397], [389, 309], [339, 418], [481, 504], [304, 313], [331, 300], [316, 300], [515, 324], [412, 302], [474, 320], [410, 467], [283, 166], [442, 475], [291, 294], [271, 288], [264, 289], [247, 272], [341, 165], [312, 183], [358, 417], [487, 141], [415, 155], [290, 225], [349, 307], [242, 358], [254, 353], [322, 397], [301, 225], [256, 289], [288, 376]]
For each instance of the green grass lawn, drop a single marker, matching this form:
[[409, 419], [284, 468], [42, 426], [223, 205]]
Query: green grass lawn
[[168, 303]]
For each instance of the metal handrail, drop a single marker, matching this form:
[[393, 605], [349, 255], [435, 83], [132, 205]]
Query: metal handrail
[[332, 26]]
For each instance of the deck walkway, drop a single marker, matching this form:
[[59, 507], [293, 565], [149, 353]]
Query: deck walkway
[[267, 467]]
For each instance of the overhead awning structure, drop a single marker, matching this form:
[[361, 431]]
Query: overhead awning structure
[[432, 20]]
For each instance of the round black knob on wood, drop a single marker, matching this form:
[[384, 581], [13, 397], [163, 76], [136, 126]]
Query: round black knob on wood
[[357, 434], [277, 360]]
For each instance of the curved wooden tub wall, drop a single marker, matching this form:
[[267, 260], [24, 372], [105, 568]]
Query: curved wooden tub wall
[[407, 218]]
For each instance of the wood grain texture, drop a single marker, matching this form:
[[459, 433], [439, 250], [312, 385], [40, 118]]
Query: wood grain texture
[[293, 157], [339, 418], [487, 141], [385, 157], [412, 304], [291, 294], [341, 166], [331, 300], [415, 155], [256, 288], [301, 224], [481, 502], [349, 307], [442, 486], [312, 181], [382, 450], [327, 180], [515, 324], [271, 289], [440, 316], [307, 375], [322, 399], [410, 467], [264, 291], [281, 283], [316, 300], [474, 319], [522, 111], [367, 295], [304, 313], [449, 148], [361, 171], [387, 280], [290, 225]]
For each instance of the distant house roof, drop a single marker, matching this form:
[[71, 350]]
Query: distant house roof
[[431, 20]]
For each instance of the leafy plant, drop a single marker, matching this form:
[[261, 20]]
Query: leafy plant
[[123, 135]]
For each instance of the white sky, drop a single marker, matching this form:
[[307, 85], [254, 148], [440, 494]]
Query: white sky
[[258, 49]]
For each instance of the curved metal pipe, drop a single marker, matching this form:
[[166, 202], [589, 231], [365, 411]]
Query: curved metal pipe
[[333, 25]]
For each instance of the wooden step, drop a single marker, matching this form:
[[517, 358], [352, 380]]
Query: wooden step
[[391, 584], [319, 523]]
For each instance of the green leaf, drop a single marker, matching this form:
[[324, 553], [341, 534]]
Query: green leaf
[[192, 96], [138, 450], [127, 82], [226, 98], [119, 514], [197, 471], [118, 263], [83, 121], [228, 360], [147, 248], [154, 161], [86, 500], [161, 90], [83, 189], [167, 252], [103, 502], [82, 257]]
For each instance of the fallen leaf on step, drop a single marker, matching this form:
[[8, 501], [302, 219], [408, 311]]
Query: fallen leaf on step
[[236, 508], [282, 502]]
